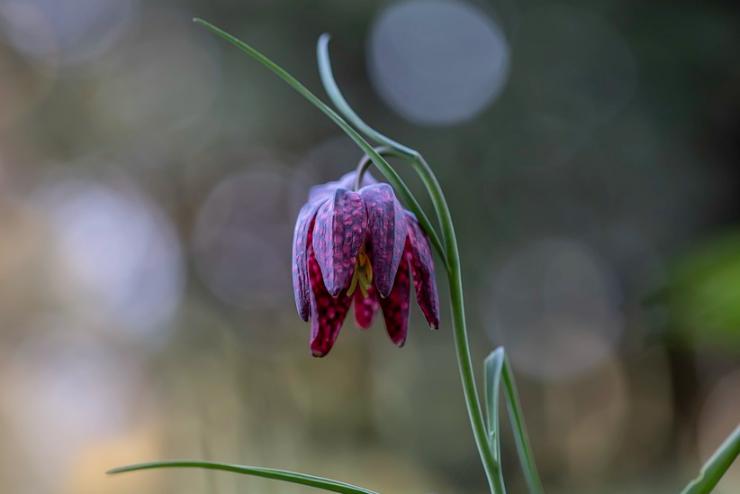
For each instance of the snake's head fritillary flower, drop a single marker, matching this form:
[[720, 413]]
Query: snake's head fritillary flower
[[360, 246]]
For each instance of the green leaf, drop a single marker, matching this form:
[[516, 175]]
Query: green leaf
[[516, 417], [492, 383], [268, 473], [498, 370], [390, 174], [716, 466]]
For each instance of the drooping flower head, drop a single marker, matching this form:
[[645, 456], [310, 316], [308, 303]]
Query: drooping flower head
[[360, 246]]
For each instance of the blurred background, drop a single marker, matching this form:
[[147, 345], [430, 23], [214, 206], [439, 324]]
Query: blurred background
[[150, 176]]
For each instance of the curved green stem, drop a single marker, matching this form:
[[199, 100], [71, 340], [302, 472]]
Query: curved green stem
[[459, 325], [491, 465], [365, 163]]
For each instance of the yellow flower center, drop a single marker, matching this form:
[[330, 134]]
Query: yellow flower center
[[363, 275]]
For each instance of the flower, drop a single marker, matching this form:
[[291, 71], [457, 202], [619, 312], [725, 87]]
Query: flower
[[360, 246]]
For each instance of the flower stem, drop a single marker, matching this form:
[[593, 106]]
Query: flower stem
[[462, 343], [365, 163], [457, 303], [454, 276]]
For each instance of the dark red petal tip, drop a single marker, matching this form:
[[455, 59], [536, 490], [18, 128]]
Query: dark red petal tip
[[366, 307], [327, 312], [339, 232], [422, 266], [396, 305]]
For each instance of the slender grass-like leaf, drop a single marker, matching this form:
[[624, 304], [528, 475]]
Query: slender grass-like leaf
[[390, 174], [268, 473], [498, 370], [494, 364], [516, 416], [716, 466], [492, 385]]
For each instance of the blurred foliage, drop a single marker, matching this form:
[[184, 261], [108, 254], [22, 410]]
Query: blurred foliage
[[705, 292]]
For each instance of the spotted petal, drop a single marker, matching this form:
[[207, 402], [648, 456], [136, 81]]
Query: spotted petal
[[339, 232], [422, 267], [396, 305], [387, 233], [301, 240], [327, 312], [366, 307]]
